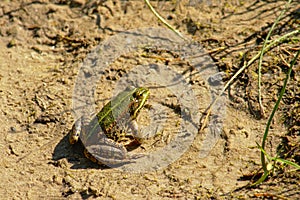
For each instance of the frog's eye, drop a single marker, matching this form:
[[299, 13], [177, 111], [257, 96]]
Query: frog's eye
[[137, 95]]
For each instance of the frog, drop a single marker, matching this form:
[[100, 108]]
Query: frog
[[104, 138]]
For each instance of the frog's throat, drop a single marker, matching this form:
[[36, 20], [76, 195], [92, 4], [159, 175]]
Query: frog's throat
[[141, 105]]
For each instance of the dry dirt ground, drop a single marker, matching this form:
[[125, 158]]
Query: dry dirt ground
[[43, 44]]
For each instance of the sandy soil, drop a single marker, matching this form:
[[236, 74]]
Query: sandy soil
[[43, 44]]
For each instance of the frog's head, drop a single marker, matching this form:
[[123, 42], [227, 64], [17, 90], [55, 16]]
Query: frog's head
[[140, 96]]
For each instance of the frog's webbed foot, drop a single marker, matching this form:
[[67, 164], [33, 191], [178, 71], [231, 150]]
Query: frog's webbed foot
[[136, 156]]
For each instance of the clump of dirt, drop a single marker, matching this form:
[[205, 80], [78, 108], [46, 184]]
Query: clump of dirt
[[43, 44]]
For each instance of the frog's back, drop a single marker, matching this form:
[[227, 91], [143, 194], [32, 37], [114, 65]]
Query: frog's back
[[116, 109]]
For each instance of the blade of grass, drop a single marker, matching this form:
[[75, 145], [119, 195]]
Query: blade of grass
[[261, 179], [287, 162], [278, 159], [262, 54], [247, 64], [263, 159], [163, 20]]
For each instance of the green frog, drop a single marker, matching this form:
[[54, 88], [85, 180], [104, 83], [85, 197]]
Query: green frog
[[105, 140]]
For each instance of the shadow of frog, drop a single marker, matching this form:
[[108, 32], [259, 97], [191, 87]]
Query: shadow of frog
[[64, 151]]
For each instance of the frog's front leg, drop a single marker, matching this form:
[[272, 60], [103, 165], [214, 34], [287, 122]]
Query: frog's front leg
[[133, 125]]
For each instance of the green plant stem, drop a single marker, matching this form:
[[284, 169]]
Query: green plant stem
[[262, 54], [278, 159], [278, 40], [272, 43], [263, 160]]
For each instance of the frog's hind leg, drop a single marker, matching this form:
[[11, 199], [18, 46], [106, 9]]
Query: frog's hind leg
[[108, 153]]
